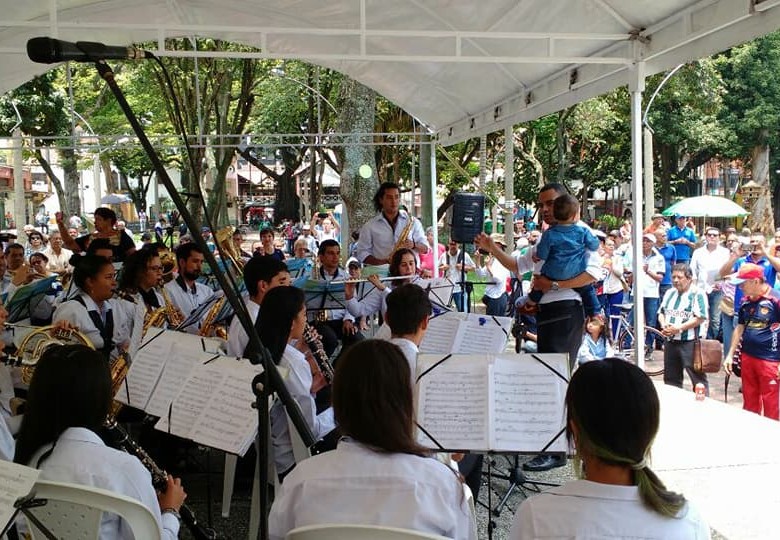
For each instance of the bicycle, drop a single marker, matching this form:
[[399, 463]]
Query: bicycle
[[624, 343]]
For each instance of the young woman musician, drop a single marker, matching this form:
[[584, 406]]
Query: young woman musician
[[402, 263], [282, 321], [378, 474], [70, 396], [109, 323], [612, 418]]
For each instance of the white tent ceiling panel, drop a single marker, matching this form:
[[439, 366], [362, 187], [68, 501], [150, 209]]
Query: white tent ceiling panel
[[462, 67]]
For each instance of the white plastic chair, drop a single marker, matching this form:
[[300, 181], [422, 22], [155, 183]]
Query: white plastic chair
[[357, 532], [74, 511]]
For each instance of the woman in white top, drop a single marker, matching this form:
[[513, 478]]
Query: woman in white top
[[378, 474], [70, 396], [612, 418], [111, 324], [282, 321]]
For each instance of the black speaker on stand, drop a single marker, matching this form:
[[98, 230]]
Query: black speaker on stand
[[468, 217]]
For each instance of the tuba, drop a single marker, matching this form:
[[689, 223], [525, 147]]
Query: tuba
[[227, 249]]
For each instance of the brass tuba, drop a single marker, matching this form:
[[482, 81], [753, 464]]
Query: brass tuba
[[227, 249], [37, 341]]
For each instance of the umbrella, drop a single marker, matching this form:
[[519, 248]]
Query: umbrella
[[115, 198], [706, 205]]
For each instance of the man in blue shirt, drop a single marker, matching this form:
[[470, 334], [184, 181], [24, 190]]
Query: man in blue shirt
[[682, 238], [670, 258]]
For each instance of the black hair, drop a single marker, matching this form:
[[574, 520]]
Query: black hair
[[99, 243], [372, 398], [135, 265], [106, 213], [395, 261], [381, 193], [15, 245], [71, 387], [407, 307], [565, 207], [87, 267], [184, 251], [267, 230], [38, 254], [559, 188], [279, 308], [614, 408], [261, 268], [325, 244]]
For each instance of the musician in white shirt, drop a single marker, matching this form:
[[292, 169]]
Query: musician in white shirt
[[378, 474], [379, 235], [185, 292], [450, 266]]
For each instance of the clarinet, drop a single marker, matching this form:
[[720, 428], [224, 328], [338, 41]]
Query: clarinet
[[315, 345], [122, 440]]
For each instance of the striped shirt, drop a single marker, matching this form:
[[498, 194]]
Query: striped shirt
[[679, 308]]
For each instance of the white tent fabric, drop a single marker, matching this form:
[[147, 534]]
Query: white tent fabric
[[461, 67]]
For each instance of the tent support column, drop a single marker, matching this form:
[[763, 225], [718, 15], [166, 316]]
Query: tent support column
[[636, 85], [432, 202], [509, 187]]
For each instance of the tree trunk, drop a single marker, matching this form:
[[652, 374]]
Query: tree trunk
[[287, 201], [761, 216], [358, 113]]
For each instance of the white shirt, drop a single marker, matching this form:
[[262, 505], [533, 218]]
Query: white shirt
[[187, 300], [376, 300], [497, 274], [378, 238], [81, 457], [354, 484], [298, 382], [655, 263], [453, 273], [238, 339], [58, 263], [584, 509], [706, 265], [322, 235], [525, 263], [410, 351], [124, 314], [340, 275]]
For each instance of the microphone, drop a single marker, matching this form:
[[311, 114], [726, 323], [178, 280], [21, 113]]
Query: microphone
[[46, 50]]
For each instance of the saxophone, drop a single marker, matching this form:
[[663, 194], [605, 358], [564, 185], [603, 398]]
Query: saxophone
[[320, 357], [404, 236], [208, 327], [172, 313]]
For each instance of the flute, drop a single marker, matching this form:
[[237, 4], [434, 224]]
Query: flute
[[363, 280]]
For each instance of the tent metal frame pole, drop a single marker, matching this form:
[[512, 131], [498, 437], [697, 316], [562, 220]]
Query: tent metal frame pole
[[636, 86]]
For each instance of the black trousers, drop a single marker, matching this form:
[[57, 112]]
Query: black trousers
[[678, 356], [560, 326]]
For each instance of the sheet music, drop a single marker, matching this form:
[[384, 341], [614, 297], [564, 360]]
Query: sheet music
[[453, 405], [176, 369], [441, 334], [527, 403], [15, 481], [145, 369], [214, 406], [466, 333]]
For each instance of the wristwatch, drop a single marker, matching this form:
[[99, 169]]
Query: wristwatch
[[554, 286]]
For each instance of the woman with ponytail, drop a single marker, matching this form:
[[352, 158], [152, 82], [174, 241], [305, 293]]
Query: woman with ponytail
[[612, 418]]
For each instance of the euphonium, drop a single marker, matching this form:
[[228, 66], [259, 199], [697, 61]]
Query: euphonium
[[36, 342], [227, 249]]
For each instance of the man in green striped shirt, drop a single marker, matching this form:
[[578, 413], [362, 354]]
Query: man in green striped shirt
[[682, 319]]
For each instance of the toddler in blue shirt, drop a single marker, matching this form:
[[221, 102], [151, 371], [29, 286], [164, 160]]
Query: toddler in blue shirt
[[564, 249]]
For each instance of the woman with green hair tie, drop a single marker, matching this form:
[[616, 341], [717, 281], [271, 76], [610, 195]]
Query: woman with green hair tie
[[612, 419]]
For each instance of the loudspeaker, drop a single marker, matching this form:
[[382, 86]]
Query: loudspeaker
[[468, 216]]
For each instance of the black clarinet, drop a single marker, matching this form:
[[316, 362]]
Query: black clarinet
[[315, 345], [122, 440]]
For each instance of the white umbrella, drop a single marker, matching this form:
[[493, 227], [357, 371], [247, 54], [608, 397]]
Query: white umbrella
[[706, 206], [115, 198]]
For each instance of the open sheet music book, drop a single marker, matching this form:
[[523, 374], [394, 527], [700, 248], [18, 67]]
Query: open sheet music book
[[466, 333], [16, 481], [492, 402], [163, 361], [214, 406]]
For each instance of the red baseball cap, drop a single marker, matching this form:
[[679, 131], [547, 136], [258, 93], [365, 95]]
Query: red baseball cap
[[748, 271]]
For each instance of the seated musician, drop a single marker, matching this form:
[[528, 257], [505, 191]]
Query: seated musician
[[339, 324], [105, 222], [185, 292], [70, 396], [379, 237], [109, 323], [378, 474], [261, 274], [402, 263], [281, 324], [142, 276]]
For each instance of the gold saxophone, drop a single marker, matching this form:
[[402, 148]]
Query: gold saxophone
[[172, 313], [404, 236], [209, 328]]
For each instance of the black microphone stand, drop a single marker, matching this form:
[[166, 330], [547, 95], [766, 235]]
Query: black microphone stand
[[272, 381]]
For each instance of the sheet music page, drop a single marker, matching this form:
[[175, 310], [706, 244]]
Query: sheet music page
[[452, 402], [480, 334], [214, 406], [176, 370], [527, 409], [442, 333], [229, 422], [15, 481], [145, 370]]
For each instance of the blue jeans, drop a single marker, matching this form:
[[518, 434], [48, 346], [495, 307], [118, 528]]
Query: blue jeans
[[457, 299], [651, 319], [713, 299], [727, 325], [496, 306]]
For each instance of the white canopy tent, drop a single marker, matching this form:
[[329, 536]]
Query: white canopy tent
[[463, 68]]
